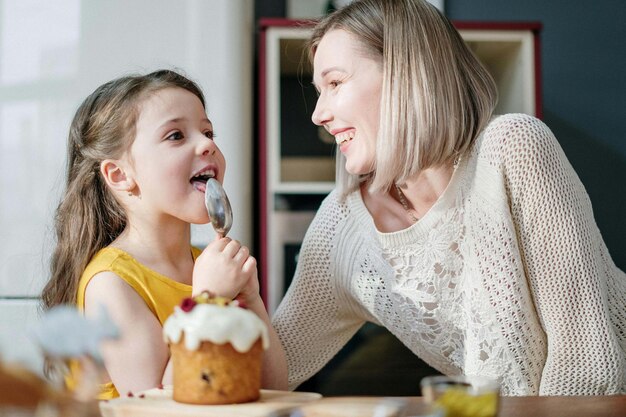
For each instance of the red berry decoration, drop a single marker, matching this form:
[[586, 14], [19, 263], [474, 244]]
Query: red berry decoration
[[188, 304], [241, 303]]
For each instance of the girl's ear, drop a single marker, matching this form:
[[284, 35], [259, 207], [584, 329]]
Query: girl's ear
[[116, 176]]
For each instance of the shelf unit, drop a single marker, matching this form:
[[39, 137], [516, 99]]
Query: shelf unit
[[296, 166]]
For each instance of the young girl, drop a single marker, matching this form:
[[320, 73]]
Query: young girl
[[140, 151]]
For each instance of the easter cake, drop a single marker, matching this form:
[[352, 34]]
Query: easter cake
[[217, 347]]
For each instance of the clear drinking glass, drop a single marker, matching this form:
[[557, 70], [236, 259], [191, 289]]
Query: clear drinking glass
[[462, 396]]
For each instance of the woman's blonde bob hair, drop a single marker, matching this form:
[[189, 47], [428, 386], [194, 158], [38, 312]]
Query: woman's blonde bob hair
[[436, 96]]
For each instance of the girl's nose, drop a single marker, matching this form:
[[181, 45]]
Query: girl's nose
[[206, 146], [321, 115]]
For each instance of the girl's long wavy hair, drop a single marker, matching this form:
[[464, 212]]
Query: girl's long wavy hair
[[88, 217]]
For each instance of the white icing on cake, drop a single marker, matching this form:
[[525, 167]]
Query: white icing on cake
[[216, 324]]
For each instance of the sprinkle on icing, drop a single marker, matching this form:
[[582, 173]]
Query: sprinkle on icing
[[188, 304]]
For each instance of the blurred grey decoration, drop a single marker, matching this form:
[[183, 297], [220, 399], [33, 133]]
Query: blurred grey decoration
[[63, 332]]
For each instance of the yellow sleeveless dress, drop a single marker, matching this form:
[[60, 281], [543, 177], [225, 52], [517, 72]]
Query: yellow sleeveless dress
[[160, 293]]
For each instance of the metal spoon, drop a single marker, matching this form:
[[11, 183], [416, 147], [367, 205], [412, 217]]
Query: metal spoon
[[218, 206]]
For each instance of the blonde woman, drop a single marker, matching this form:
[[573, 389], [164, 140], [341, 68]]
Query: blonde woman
[[468, 235]]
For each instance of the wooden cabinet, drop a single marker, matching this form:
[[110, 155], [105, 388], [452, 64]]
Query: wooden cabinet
[[296, 167]]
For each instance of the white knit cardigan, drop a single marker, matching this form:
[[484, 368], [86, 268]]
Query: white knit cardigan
[[506, 276]]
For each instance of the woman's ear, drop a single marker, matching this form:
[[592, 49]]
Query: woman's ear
[[116, 176]]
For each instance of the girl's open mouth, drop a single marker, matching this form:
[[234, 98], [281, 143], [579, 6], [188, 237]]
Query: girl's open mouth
[[199, 180]]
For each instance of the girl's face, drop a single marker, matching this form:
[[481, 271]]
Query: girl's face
[[349, 86], [173, 155]]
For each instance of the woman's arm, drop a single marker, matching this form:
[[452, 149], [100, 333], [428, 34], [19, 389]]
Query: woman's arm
[[137, 360], [566, 262], [314, 320], [274, 361]]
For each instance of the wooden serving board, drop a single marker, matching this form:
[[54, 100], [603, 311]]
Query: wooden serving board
[[159, 403]]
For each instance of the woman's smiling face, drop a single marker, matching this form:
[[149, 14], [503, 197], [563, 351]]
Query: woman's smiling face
[[349, 85]]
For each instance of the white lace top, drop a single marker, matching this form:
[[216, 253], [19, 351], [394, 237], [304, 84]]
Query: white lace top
[[506, 276]]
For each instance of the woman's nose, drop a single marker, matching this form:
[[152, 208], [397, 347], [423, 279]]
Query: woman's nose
[[321, 115]]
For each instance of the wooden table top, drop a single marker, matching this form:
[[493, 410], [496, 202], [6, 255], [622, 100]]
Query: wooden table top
[[158, 403], [583, 406]]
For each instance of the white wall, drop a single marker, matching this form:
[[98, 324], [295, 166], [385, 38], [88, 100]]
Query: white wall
[[52, 55]]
